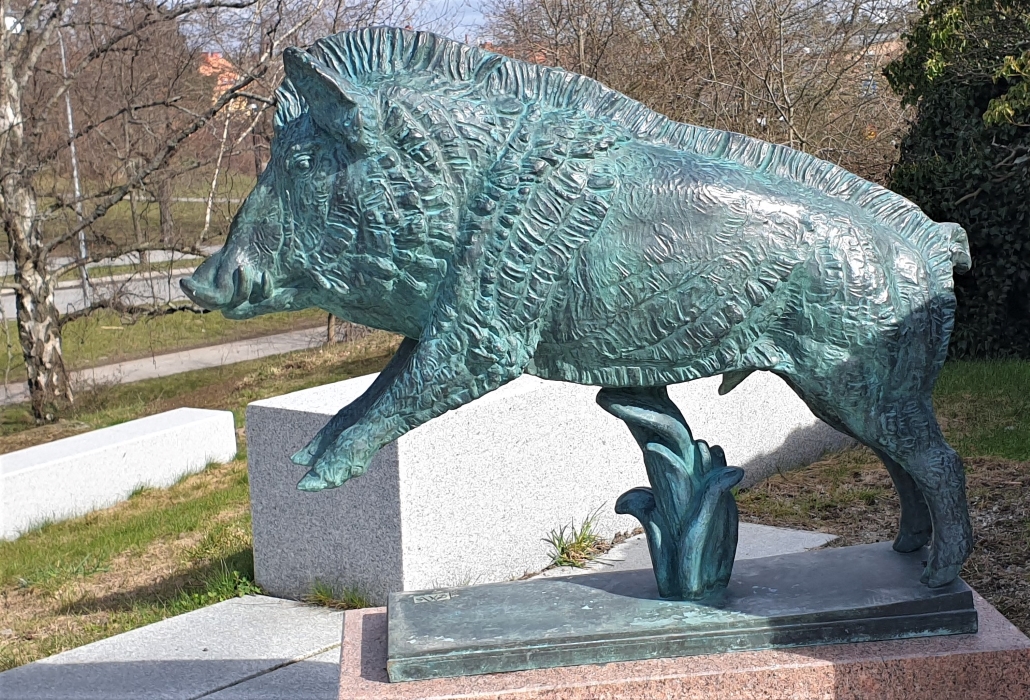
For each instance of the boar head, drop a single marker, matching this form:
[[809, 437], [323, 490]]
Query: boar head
[[314, 230]]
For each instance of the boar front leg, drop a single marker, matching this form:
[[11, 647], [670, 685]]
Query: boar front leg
[[453, 364], [353, 411]]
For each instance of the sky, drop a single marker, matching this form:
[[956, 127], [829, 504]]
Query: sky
[[457, 19]]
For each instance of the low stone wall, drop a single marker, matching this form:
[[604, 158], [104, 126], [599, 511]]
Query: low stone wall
[[469, 497], [73, 476]]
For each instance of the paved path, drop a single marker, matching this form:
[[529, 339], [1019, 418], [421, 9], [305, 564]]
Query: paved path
[[185, 361], [261, 648], [136, 288], [755, 541]]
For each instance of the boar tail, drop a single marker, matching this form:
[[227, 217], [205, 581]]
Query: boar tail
[[961, 261], [946, 248]]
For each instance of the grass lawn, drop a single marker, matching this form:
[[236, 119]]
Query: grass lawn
[[187, 208], [103, 338], [168, 551], [164, 551]]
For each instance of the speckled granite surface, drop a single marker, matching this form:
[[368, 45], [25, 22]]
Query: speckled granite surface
[[436, 508], [993, 664]]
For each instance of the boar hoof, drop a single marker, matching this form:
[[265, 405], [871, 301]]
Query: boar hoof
[[911, 541], [304, 457], [935, 578], [313, 481]]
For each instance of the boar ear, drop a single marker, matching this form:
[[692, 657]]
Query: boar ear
[[330, 106]]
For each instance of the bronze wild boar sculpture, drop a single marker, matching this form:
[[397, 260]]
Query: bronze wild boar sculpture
[[508, 218]]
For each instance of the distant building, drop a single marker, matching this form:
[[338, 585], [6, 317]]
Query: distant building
[[213, 64]]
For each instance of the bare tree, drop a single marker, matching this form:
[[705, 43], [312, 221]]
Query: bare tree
[[804, 73], [149, 123], [574, 34], [131, 72]]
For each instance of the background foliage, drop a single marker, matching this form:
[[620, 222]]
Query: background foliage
[[967, 157]]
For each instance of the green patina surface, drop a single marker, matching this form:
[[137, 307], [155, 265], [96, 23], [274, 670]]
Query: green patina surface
[[689, 514], [509, 218]]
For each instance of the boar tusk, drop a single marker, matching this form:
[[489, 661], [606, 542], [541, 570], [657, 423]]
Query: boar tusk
[[266, 285], [241, 287]]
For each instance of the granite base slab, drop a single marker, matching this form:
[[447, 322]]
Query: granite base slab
[[993, 664], [829, 596]]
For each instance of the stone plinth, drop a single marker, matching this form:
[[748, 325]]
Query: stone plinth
[[993, 664], [469, 497], [71, 477]]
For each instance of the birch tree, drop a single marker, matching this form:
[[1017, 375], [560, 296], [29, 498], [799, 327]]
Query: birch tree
[[105, 39]]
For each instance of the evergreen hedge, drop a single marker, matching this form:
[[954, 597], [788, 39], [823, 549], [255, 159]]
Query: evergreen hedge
[[967, 157]]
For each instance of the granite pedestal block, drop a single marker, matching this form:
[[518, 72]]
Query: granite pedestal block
[[469, 497], [71, 477], [993, 664]]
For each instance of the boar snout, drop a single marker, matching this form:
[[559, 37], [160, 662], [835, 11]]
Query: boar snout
[[237, 290], [218, 283]]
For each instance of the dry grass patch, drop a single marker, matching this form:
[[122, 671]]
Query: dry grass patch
[[161, 553], [38, 435]]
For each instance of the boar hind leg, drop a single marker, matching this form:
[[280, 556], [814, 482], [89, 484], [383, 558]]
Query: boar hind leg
[[916, 525], [938, 471], [927, 473], [906, 434], [353, 411]]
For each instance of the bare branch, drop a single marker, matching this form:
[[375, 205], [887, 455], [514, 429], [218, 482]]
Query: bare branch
[[132, 312], [118, 193]]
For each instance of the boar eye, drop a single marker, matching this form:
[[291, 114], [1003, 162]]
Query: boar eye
[[301, 163]]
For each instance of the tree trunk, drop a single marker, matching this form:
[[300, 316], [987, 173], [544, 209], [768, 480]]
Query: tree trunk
[[214, 179], [39, 328], [137, 232], [40, 334], [163, 194]]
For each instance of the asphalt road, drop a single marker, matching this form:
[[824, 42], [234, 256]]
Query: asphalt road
[[135, 289]]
